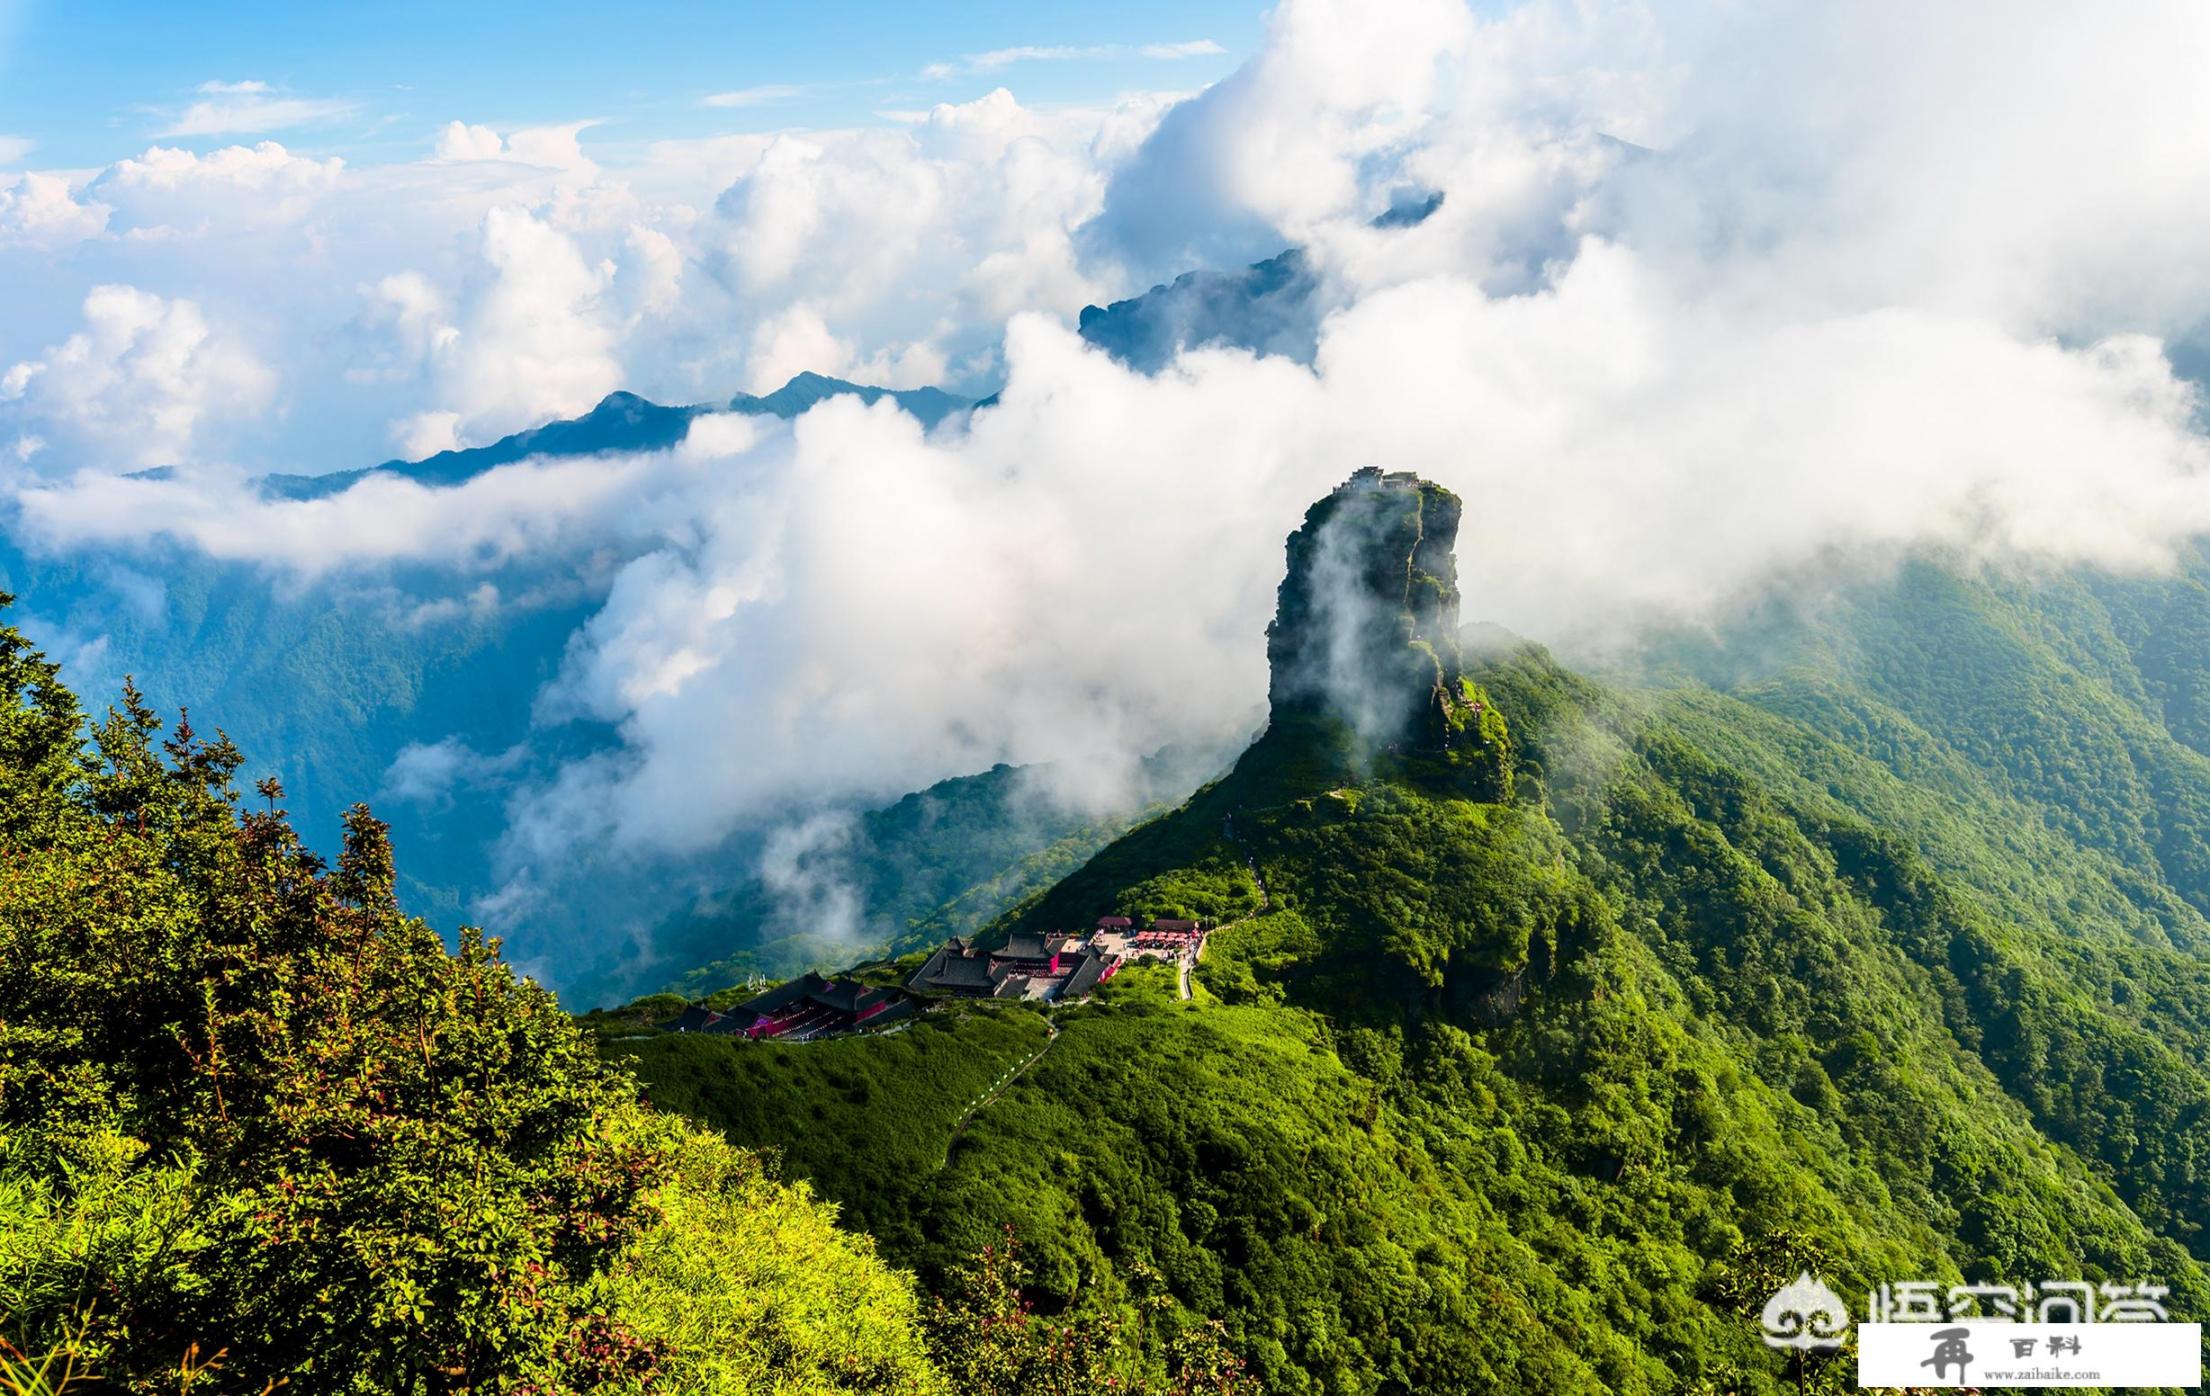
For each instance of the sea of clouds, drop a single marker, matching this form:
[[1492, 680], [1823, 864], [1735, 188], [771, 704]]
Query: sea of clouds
[[1716, 295]]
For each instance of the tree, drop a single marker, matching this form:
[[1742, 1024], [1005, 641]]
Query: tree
[[248, 1107]]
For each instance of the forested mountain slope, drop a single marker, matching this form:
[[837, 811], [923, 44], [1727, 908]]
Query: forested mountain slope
[[1554, 1021], [260, 1129]]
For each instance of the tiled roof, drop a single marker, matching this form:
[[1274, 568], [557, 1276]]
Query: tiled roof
[[1027, 945], [1087, 972], [775, 1000], [949, 971], [697, 1018]]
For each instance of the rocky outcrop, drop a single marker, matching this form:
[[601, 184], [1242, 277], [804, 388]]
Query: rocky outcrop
[[1366, 629]]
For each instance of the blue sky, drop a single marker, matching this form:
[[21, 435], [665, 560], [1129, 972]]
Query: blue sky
[[88, 81]]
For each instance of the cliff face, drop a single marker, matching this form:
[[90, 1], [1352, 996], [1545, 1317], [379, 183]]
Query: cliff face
[[1366, 628]]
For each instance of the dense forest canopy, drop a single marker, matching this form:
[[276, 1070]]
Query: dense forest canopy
[[257, 1126]]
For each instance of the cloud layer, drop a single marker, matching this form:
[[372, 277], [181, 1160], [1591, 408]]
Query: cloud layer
[[1715, 300], [895, 252]]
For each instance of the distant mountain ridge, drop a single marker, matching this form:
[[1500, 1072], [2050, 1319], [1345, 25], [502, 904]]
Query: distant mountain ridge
[[622, 421], [1269, 307], [1265, 307]]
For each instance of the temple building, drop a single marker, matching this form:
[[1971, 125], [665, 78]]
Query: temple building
[[807, 1007], [1054, 966]]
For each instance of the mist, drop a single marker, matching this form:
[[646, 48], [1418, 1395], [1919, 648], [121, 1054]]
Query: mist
[[1714, 302]]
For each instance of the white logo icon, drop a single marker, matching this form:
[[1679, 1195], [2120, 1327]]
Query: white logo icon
[[1805, 1314]]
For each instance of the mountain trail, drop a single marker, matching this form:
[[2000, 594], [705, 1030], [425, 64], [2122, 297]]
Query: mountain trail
[[999, 1087]]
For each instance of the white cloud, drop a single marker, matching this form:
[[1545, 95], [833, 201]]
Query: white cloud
[[514, 514], [888, 238], [541, 147], [551, 147], [1006, 57], [430, 773], [233, 108], [262, 235], [41, 211], [807, 868], [920, 365], [460, 141], [262, 185], [1288, 141], [137, 382], [766, 95], [236, 168], [651, 276], [535, 346], [412, 315], [719, 436], [1192, 48], [426, 434], [14, 150], [533, 342], [995, 59], [792, 342]]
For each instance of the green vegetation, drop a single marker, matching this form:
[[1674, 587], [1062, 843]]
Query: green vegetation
[[875, 1114], [257, 1126], [1881, 957]]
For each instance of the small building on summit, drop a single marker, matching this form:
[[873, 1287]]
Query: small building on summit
[[807, 1007], [697, 1018], [1031, 952], [1372, 477], [1091, 970], [956, 967], [1030, 964], [1055, 966]]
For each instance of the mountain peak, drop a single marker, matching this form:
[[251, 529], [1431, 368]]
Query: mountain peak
[[930, 405], [1366, 629]]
